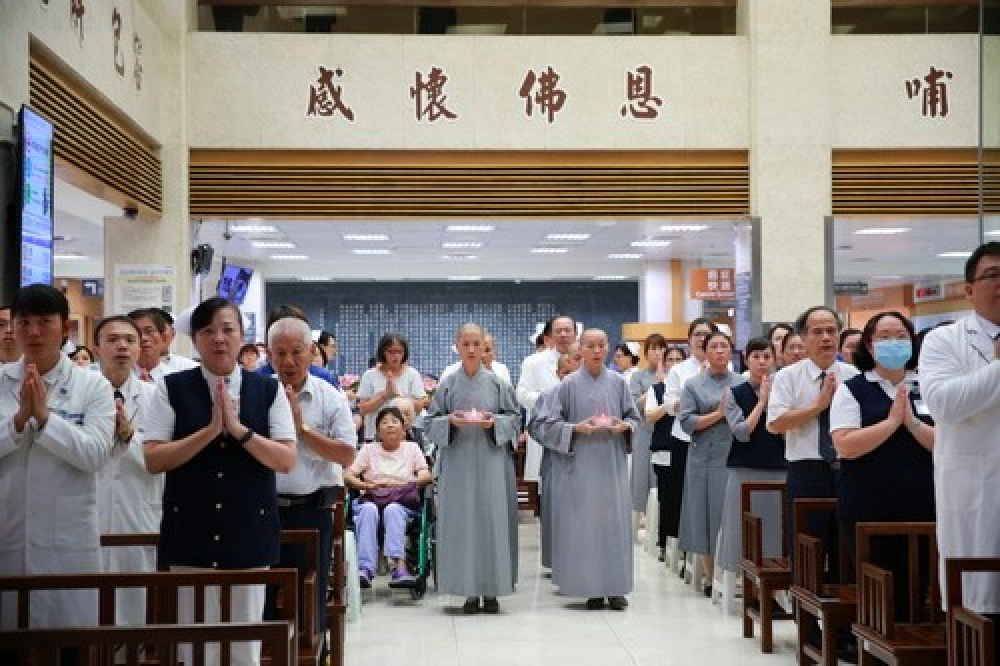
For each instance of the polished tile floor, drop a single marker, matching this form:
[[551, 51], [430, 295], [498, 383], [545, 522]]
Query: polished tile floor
[[667, 623]]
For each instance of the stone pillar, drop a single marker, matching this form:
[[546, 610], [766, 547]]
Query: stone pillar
[[166, 240], [790, 147]]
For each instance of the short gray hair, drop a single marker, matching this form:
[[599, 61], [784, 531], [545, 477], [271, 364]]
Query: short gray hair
[[289, 326]]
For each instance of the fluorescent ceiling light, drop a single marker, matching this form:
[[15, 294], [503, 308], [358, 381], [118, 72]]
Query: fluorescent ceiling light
[[253, 228], [684, 227], [314, 278], [465, 278], [470, 228], [372, 250], [995, 232], [650, 243], [462, 245], [69, 257], [549, 250], [955, 255], [567, 237], [625, 255], [460, 257], [881, 231], [289, 257], [608, 278], [366, 237], [274, 245]]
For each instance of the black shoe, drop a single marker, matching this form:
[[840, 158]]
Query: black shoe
[[595, 603], [491, 605], [471, 606], [617, 603], [707, 590]]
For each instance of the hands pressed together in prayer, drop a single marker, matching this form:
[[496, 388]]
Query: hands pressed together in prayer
[[123, 425], [225, 416], [33, 398]]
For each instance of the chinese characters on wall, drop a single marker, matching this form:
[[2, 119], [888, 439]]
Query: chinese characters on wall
[[542, 92], [932, 91]]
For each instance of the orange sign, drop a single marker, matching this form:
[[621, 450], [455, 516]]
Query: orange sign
[[712, 284]]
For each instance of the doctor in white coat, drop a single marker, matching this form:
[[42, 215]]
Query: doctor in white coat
[[56, 428], [129, 498], [960, 377]]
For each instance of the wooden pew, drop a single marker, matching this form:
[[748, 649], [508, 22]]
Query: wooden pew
[[971, 636], [163, 587], [920, 638], [98, 646], [336, 607], [833, 605], [310, 640], [762, 577]]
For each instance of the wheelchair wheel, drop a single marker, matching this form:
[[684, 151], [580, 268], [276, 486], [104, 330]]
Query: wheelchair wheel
[[418, 589]]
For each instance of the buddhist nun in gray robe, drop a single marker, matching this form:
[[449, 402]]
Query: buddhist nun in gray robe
[[584, 424], [477, 497]]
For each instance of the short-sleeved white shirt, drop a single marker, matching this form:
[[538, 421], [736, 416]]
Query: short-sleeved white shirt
[[845, 412], [797, 386], [410, 385]]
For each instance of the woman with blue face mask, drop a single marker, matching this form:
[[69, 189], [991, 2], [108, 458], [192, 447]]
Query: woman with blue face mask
[[883, 435]]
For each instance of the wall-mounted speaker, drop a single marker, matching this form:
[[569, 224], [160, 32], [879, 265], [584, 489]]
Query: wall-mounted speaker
[[201, 259]]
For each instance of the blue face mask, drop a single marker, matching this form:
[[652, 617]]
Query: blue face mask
[[893, 354]]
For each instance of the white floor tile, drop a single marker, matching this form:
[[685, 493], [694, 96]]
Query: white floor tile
[[667, 623]]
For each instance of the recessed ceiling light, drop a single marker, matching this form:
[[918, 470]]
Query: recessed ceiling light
[[253, 228], [625, 255], [366, 237], [549, 250], [650, 243], [459, 257], [274, 245], [955, 255], [684, 227], [315, 278], [70, 257], [609, 278], [995, 232], [470, 228], [881, 231], [465, 278], [462, 245], [567, 237], [372, 250], [289, 257], [606, 223]]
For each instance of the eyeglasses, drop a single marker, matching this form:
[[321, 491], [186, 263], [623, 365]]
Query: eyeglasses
[[989, 276]]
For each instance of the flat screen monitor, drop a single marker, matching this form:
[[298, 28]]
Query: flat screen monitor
[[234, 282], [36, 185]]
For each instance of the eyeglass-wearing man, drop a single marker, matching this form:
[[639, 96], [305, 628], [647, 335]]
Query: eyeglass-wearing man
[[129, 497], [56, 432], [960, 376]]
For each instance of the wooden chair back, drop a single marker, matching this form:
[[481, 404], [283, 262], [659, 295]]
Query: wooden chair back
[[918, 535], [747, 491], [876, 608], [809, 558], [131, 646], [971, 636], [752, 537]]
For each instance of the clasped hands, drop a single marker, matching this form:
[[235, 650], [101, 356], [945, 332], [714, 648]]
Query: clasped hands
[[225, 416], [33, 398]]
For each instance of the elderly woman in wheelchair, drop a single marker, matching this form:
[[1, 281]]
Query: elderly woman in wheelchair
[[389, 474]]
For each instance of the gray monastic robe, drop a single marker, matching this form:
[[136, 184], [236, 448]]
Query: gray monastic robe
[[643, 477], [477, 496], [591, 503]]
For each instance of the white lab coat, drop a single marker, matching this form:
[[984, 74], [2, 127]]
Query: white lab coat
[[538, 374], [960, 382], [48, 487], [129, 501]]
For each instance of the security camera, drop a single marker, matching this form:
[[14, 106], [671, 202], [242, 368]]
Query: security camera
[[130, 212]]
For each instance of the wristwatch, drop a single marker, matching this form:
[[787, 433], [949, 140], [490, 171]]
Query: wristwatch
[[247, 436], [305, 429]]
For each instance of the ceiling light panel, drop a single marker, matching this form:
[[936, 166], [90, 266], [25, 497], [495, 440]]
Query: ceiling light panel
[[881, 231], [253, 228], [371, 250], [289, 257], [366, 237], [274, 245], [609, 278], [465, 278], [625, 255], [462, 245], [549, 250], [683, 227], [567, 237], [650, 243], [459, 257], [470, 228], [955, 255]]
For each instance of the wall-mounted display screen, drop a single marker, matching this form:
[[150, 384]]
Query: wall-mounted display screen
[[37, 221], [234, 282]]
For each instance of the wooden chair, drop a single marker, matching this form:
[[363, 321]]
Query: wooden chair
[[133, 646], [336, 607], [163, 586], [833, 605], [310, 640], [527, 491], [971, 636], [920, 638], [762, 577]]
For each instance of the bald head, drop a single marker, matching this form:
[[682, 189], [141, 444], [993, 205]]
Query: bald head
[[594, 344]]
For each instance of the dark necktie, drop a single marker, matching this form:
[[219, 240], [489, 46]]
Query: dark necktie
[[119, 397], [826, 449]]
